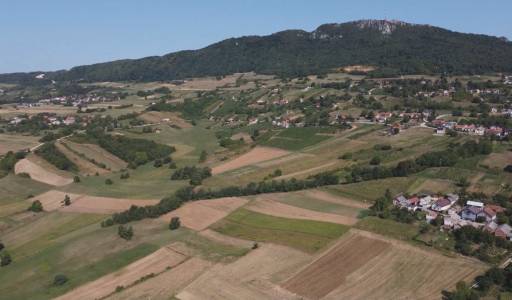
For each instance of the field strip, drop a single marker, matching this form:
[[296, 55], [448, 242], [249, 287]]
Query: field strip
[[364, 265], [100, 155], [256, 155], [154, 263], [80, 203], [266, 205], [251, 277], [167, 283], [225, 239], [330, 270], [86, 167], [307, 171], [328, 197], [38, 173], [284, 159], [198, 215]]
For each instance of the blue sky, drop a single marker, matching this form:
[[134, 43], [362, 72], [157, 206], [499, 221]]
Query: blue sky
[[58, 34]]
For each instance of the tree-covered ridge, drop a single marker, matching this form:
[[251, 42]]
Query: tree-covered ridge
[[394, 47]]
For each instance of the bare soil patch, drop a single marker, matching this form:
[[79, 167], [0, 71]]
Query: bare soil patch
[[244, 136], [251, 277], [99, 154], [198, 215], [167, 283], [154, 263], [256, 155], [53, 200], [42, 172], [86, 167], [265, 204]]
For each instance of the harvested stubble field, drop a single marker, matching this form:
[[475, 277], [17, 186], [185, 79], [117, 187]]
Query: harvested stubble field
[[167, 283], [367, 266], [251, 277], [154, 263], [53, 200], [198, 215], [85, 167], [42, 171], [268, 204], [256, 155], [100, 155], [11, 142]]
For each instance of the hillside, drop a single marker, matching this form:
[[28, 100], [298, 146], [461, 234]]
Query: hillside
[[395, 47]]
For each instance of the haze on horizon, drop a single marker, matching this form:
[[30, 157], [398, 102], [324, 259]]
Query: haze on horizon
[[54, 35]]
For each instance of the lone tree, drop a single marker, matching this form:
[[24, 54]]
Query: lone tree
[[108, 181], [36, 206], [125, 232], [67, 201], [5, 260], [76, 179], [2, 246], [175, 223]]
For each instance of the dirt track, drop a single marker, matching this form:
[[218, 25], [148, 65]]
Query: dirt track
[[40, 173], [154, 263], [265, 205], [52, 200], [256, 155], [198, 215]]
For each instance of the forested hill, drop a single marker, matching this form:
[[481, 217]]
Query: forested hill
[[395, 47]]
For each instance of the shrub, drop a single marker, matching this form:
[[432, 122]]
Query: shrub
[[108, 181], [67, 201], [60, 279], [5, 260], [36, 206], [125, 232], [175, 223], [375, 161], [76, 179]]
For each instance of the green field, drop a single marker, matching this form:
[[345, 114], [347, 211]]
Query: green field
[[294, 139], [390, 228], [305, 235]]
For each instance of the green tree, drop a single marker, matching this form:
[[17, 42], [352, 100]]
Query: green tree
[[36, 206], [175, 223], [76, 179], [125, 232], [109, 181], [67, 201]]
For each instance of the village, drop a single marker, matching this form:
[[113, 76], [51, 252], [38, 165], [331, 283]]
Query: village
[[454, 215]]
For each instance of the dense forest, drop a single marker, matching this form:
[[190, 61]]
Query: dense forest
[[395, 47]]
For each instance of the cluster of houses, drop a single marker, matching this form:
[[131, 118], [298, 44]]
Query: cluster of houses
[[78, 100], [470, 129], [473, 213], [49, 119]]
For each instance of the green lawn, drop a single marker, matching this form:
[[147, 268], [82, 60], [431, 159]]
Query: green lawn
[[14, 188], [390, 228], [305, 235], [294, 139]]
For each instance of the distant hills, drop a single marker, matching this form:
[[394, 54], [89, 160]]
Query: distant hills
[[393, 47]]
